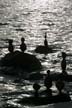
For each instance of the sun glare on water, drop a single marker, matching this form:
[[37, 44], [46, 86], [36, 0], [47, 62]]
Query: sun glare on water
[[42, 3], [34, 4]]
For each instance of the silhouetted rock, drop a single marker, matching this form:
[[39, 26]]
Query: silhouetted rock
[[45, 41], [25, 61], [64, 73], [36, 88], [35, 76], [60, 86], [61, 76], [48, 84], [44, 100], [48, 80], [23, 45], [11, 47], [48, 92], [44, 49], [63, 63]]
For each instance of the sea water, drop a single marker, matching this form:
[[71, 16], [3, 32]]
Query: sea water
[[31, 19]]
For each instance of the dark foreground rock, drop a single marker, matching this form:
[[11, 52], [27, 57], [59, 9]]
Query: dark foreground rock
[[62, 77], [35, 76], [25, 61], [45, 100]]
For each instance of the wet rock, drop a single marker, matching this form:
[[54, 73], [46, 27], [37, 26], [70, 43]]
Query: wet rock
[[44, 100], [25, 61], [35, 76], [43, 50]]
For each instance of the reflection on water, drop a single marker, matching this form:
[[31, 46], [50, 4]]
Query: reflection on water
[[31, 19]]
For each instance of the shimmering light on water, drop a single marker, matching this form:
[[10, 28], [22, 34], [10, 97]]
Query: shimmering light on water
[[28, 88], [31, 19], [10, 87]]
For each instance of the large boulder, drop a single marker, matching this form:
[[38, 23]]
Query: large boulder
[[25, 61]]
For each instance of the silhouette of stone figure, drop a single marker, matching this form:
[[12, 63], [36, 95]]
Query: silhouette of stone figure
[[44, 49], [63, 63], [48, 83], [23, 45], [10, 47], [45, 41], [36, 88], [60, 85]]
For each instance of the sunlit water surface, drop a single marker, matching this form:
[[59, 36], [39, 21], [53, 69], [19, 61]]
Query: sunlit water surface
[[31, 19]]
